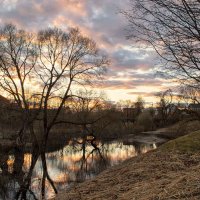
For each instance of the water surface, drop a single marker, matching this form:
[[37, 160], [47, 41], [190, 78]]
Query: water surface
[[76, 162]]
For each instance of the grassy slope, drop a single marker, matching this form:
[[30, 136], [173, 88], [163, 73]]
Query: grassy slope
[[189, 143], [173, 169]]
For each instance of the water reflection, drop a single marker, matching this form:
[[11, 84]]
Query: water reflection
[[22, 177]]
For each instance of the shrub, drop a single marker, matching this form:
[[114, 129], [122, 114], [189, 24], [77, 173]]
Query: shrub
[[145, 120]]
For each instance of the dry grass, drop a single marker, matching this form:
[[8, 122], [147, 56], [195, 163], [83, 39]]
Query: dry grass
[[171, 172], [185, 127], [189, 143]]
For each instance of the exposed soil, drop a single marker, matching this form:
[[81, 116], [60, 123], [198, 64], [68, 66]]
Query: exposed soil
[[157, 175]]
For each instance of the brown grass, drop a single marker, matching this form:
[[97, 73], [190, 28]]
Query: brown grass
[[170, 172]]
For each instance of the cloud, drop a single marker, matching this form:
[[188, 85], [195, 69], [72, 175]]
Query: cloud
[[143, 94], [129, 84], [101, 21], [134, 59]]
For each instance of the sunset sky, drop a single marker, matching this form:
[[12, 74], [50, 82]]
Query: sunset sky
[[131, 72]]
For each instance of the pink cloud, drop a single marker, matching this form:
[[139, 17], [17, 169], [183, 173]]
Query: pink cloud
[[101, 21]]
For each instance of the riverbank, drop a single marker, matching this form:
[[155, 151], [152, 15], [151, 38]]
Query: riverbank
[[170, 172]]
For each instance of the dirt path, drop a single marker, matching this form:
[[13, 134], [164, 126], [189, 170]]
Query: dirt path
[[153, 176]]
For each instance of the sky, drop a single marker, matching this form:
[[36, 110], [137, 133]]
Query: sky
[[132, 70]]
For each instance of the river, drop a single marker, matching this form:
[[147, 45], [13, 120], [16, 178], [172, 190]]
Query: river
[[75, 162]]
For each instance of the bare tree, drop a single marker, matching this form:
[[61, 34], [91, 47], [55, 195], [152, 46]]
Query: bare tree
[[94, 114], [139, 105], [172, 28], [86, 105], [18, 56], [167, 109], [190, 96], [47, 66], [65, 59]]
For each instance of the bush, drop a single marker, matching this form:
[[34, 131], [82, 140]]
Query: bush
[[145, 121]]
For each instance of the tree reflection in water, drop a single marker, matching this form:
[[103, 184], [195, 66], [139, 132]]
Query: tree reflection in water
[[36, 176]]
